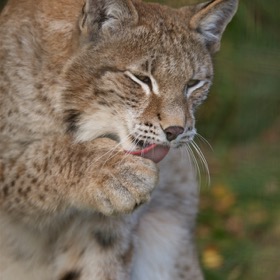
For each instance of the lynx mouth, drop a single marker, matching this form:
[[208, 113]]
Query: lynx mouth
[[154, 152]]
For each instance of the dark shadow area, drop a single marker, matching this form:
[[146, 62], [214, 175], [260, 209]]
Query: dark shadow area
[[2, 4]]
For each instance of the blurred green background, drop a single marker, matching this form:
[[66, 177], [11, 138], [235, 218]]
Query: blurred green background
[[239, 222]]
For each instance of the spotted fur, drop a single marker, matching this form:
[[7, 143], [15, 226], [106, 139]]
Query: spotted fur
[[82, 83]]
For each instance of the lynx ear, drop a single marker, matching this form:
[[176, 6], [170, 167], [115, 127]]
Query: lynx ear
[[210, 19], [106, 17]]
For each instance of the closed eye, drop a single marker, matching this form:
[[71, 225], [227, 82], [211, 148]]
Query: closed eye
[[192, 86], [192, 83], [144, 81], [139, 78]]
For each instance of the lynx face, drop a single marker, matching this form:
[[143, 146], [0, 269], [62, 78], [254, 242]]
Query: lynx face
[[139, 77]]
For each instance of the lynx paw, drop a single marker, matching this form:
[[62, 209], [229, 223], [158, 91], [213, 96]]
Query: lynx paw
[[128, 185], [120, 184]]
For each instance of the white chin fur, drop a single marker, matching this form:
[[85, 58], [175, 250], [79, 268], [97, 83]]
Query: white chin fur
[[95, 126]]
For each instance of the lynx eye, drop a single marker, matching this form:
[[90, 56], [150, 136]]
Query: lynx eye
[[144, 79], [193, 83], [192, 86], [147, 83]]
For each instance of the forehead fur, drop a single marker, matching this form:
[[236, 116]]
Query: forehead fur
[[155, 22], [157, 15], [161, 33], [159, 28]]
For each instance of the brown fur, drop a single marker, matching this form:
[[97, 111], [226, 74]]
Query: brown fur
[[80, 84]]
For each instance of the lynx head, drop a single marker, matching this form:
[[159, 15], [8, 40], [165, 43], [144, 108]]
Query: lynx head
[[141, 69]]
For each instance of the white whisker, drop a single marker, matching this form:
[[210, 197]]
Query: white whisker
[[194, 160], [203, 160], [200, 137]]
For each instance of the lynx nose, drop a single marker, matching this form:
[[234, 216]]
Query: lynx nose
[[172, 132]]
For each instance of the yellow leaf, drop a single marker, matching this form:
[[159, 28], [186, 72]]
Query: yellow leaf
[[224, 198], [211, 258]]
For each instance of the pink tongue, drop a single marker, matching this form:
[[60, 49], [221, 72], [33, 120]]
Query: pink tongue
[[154, 152]]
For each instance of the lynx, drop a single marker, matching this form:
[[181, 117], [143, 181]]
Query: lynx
[[97, 103]]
